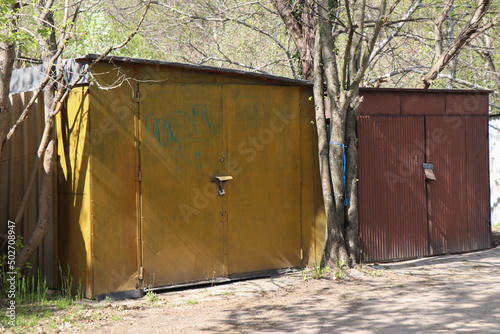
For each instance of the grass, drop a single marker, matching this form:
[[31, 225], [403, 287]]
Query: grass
[[33, 306], [340, 272], [212, 285], [316, 272], [152, 297], [495, 235], [32, 314]]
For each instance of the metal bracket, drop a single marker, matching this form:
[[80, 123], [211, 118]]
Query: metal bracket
[[221, 178]]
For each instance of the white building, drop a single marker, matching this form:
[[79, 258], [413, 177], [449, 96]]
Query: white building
[[494, 137]]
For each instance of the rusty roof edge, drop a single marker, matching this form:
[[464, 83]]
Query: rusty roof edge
[[194, 67], [420, 90]]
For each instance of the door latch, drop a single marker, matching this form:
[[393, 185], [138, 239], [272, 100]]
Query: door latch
[[428, 171], [220, 181]]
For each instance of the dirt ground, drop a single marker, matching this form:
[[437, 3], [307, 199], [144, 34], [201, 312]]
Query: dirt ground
[[453, 293]]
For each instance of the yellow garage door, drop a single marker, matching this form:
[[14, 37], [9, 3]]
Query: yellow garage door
[[195, 227], [263, 199], [181, 149]]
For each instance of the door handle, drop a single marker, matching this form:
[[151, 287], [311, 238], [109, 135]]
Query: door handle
[[220, 180], [429, 171]]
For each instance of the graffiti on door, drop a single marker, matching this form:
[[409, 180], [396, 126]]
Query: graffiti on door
[[179, 137], [173, 130]]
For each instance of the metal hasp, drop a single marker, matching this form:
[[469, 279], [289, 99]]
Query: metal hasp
[[220, 180], [428, 171]]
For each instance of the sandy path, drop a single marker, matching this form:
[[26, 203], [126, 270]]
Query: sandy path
[[456, 293]]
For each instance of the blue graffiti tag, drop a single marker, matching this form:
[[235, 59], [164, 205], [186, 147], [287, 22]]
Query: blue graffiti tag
[[166, 130], [200, 110]]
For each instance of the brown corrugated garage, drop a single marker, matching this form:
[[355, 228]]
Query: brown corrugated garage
[[423, 173]]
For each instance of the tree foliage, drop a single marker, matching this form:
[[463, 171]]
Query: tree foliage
[[48, 26], [433, 29], [339, 44], [232, 33]]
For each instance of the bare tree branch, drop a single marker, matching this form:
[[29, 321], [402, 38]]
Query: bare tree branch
[[454, 48], [384, 78], [488, 59], [224, 18], [438, 34], [57, 103], [396, 30], [65, 36], [233, 62], [420, 70], [348, 49]]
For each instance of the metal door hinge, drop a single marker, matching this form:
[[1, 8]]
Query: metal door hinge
[[302, 253], [137, 97], [141, 273]]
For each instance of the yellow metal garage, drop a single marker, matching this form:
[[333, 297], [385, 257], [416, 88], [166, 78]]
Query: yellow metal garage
[[173, 174]]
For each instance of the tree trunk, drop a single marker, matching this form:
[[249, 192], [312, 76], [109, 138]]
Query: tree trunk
[[343, 91], [53, 104], [335, 251], [44, 204], [438, 32], [46, 186], [300, 24], [49, 48], [7, 57], [351, 216], [338, 252], [323, 145]]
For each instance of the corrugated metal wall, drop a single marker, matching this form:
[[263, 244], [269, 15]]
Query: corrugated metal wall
[[15, 168], [478, 194], [392, 215], [113, 181], [447, 195], [402, 214], [494, 136], [73, 188]]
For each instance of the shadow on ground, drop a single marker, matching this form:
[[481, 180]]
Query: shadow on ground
[[449, 293]]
